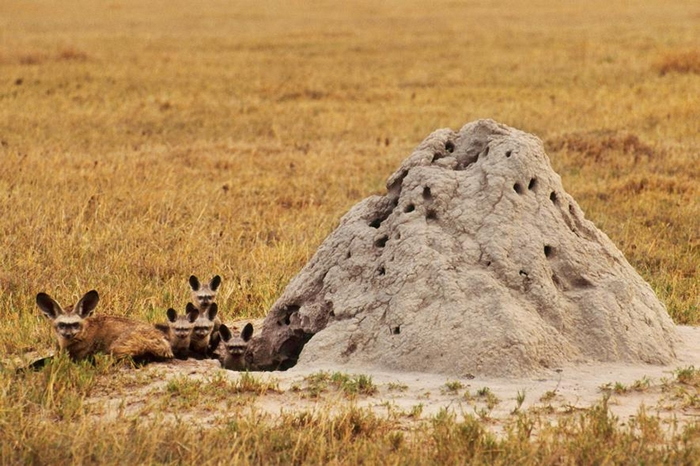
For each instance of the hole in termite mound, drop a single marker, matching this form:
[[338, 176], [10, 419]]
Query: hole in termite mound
[[437, 156], [381, 241], [548, 250], [289, 350], [287, 313], [517, 187]]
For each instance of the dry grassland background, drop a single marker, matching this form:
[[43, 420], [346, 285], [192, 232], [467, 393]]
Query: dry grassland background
[[141, 142]]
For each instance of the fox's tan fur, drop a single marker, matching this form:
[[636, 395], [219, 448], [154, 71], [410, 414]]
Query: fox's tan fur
[[205, 335], [204, 297], [178, 330], [83, 335], [232, 355]]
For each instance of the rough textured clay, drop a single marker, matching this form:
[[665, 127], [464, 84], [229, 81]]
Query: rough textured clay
[[475, 262]]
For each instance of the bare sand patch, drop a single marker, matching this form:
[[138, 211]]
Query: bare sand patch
[[415, 396]]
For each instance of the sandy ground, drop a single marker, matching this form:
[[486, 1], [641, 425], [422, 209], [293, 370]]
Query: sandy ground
[[418, 396]]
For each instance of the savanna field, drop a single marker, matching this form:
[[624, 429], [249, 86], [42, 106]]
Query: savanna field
[[142, 142]]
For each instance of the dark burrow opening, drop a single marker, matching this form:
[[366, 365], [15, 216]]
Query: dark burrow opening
[[288, 353], [553, 197], [533, 184], [431, 215], [548, 250], [409, 208], [450, 146], [396, 330], [518, 188], [427, 195], [377, 222], [381, 242]]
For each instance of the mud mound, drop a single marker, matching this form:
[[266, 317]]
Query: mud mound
[[476, 261]]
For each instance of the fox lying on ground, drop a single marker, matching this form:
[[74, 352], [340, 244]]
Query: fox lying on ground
[[83, 335]]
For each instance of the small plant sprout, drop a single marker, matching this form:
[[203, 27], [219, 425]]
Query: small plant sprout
[[397, 387], [688, 375], [642, 384], [620, 388], [548, 396], [519, 400], [453, 387], [416, 411]]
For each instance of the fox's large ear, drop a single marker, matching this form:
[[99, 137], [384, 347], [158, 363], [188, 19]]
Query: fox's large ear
[[194, 283], [48, 306], [211, 312], [87, 304], [192, 314], [247, 332], [214, 283], [172, 314], [190, 308], [225, 332]]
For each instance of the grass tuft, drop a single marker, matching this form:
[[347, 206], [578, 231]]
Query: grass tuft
[[683, 62]]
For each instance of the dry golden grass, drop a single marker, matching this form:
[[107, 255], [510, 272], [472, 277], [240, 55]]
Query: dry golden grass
[[144, 141], [679, 62]]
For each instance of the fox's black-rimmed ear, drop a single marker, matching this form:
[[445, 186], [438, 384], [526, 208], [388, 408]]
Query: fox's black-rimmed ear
[[214, 283], [212, 311], [48, 306], [192, 314], [247, 332], [194, 283], [172, 314], [87, 304], [225, 332], [190, 308]]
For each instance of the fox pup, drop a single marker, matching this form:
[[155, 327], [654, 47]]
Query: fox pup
[[234, 347], [203, 297], [203, 339], [82, 335], [179, 329]]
